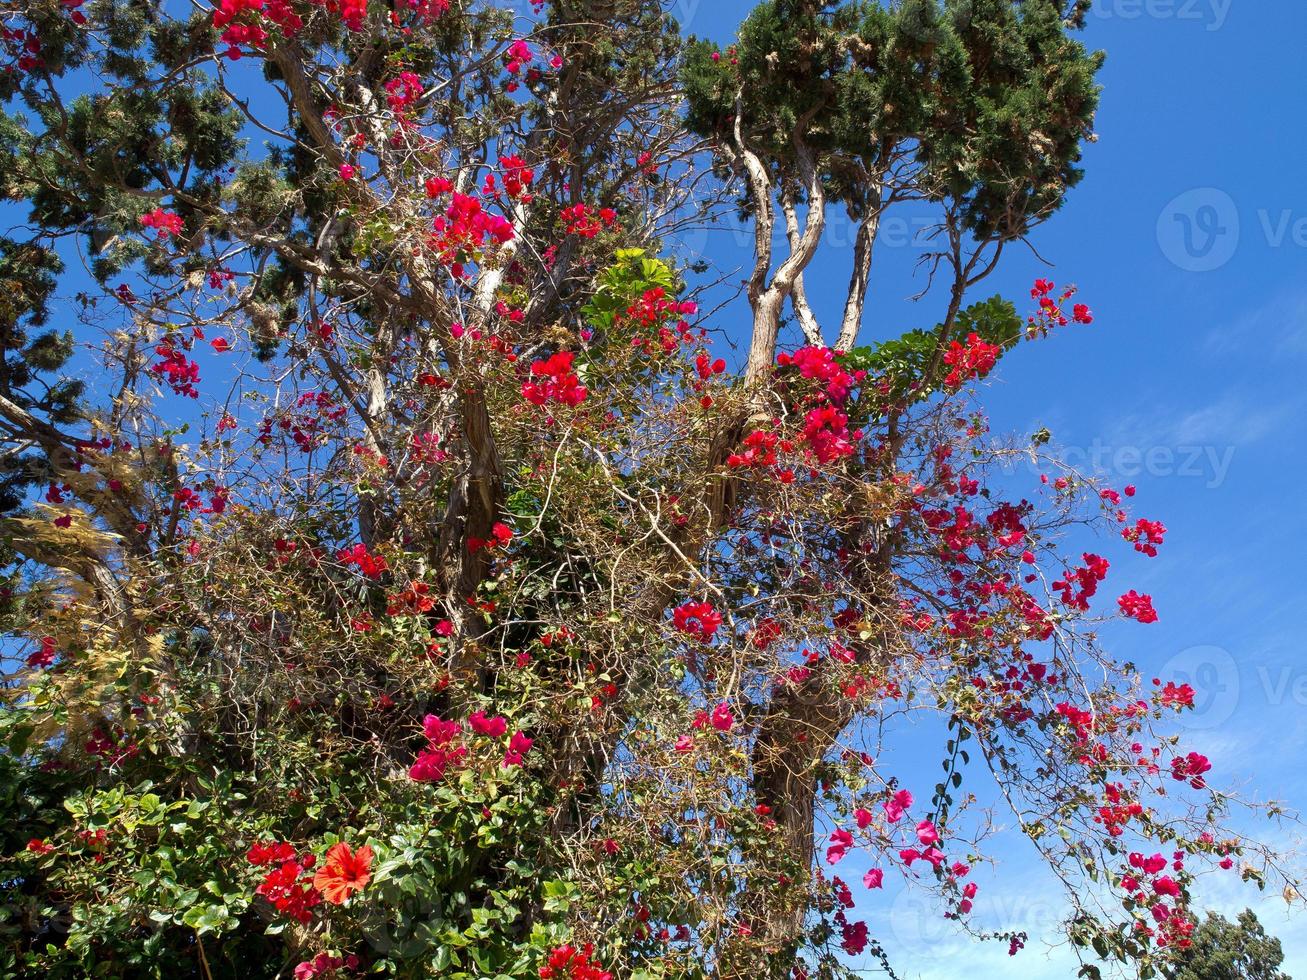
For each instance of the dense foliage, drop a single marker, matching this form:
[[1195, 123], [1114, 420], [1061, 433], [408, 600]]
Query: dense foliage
[[415, 583], [1225, 950]]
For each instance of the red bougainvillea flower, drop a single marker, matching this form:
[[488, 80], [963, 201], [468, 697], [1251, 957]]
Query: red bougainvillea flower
[[38, 846], [43, 657], [165, 223], [1178, 696], [853, 937], [927, 834], [1166, 886], [898, 805], [343, 873], [370, 565], [325, 965], [175, 369], [483, 725], [440, 733], [518, 746], [272, 852], [1138, 607], [874, 878], [1146, 535], [826, 433], [587, 222], [767, 632], [840, 842], [1148, 865], [283, 886], [722, 718], [569, 963], [697, 619], [974, 360], [501, 537], [553, 380], [430, 765], [1191, 768]]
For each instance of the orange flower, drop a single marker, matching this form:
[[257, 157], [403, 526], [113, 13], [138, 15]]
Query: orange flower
[[343, 872]]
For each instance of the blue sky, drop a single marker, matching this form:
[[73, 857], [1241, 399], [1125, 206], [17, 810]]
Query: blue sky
[[1188, 237]]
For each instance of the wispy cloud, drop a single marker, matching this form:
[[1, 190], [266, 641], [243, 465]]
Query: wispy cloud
[[1277, 327], [1233, 420]]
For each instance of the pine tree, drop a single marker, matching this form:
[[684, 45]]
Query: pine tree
[[1225, 950]]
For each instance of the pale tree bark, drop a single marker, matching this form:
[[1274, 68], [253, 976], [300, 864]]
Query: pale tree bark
[[872, 207], [863, 246], [807, 319], [768, 298]]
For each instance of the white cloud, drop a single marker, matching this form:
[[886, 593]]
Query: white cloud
[[1278, 327]]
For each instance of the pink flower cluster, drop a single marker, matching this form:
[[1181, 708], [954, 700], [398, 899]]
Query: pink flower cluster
[[465, 228], [1148, 886], [587, 222], [975, 359], [442, 752], [403, 90], [825, 431], [659, 322], [1079, 585], [325, 965], [697, 619], [721, 718], [553, 380], [241, 22], [1146, 535], [165, 223], [174, 368], [1137, 606], [371, 566], [1050, 310], [569, 963]]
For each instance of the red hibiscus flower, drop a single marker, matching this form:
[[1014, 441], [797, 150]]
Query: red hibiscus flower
[[343, 872]]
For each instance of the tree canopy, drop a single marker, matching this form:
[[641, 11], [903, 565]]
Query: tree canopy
[[1225, 950]]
